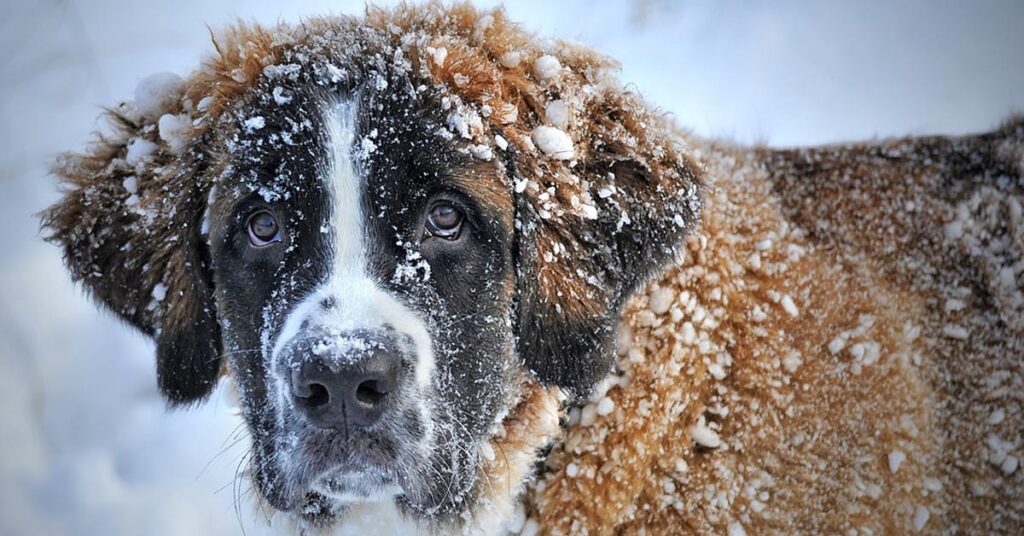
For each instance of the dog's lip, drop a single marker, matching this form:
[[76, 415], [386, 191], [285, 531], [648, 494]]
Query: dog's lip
[[357, 482]]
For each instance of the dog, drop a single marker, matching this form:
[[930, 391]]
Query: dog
[[464, 281]]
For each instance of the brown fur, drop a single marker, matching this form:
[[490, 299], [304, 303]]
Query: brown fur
[[806, 446], [809, 407]]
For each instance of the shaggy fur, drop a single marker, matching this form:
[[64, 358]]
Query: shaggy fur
[[837, 348]]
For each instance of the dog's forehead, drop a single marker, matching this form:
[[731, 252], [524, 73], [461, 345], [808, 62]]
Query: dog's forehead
[[277, 142]]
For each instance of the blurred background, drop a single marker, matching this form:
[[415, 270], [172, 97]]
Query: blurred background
[[86, 446]]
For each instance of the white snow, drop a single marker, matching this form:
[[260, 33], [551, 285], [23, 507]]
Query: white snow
[[139, 150], [159, 292], [736, 529], [254, 123], [921, 515], [131, 184], [280, 96], [896, 459], [605, 406], [661, 299], [705, 436], [558, 114], [438, 55], [789, 306], [511, 59], [546, 68], [156, 94], [553, 142], [174, 130]]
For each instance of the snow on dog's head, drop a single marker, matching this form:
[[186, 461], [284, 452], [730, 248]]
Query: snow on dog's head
[[403, 236]]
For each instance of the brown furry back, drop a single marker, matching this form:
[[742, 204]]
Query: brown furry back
[[841, 351]]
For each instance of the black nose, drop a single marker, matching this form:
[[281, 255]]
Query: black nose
[[350, 390]]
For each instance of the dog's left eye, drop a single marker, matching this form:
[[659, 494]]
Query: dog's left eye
[[444, 221], [263, 229]]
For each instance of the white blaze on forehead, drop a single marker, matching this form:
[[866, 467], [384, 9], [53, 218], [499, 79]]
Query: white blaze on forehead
[[345, 187], [359, 302]]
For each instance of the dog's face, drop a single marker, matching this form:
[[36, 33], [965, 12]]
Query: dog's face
[[381, 240], [364, 288]]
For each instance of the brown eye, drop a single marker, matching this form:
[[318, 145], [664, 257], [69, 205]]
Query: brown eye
[[263, 229], [444, 221]]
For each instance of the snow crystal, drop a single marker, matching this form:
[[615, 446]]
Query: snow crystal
[[553, 142], [159, 292], [173, 130], [789, 306], [546, 67], [688, 335], [438, 55], [254, 123], [511, 59], [131, 184], [572, 470], [557, 112], [838, 343], [704, 436], [204, 104], [481, 152], [736, 529], [896, 459], [792, 362], [661, 299], [589, 212], [955, 332], [1009, 465], [530, 528], [281, 95], [288, 70], [997, 416], [605, 406], [501, 142], [465, 122], [156, 94], [588, 415], [921, 515], [139, 149]]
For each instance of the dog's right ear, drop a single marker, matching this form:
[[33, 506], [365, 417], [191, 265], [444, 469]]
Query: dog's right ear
[[129, 227]]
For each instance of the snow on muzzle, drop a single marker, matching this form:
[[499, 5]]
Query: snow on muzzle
[[348, 380]]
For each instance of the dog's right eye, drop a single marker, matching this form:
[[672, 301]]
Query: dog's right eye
[[263, 229]]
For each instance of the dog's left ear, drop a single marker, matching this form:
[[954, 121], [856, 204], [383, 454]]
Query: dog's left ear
[[129, 227], [593, 228]]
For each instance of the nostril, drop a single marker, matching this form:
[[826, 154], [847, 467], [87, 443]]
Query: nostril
[[317, 397], [371, 392]]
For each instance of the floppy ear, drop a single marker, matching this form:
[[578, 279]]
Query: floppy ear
[[594, 229], [129, 226]]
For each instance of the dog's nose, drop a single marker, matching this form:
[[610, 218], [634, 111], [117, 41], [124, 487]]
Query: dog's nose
[[349, 390]]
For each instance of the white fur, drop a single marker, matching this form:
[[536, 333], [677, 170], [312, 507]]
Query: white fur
[[359, 302]]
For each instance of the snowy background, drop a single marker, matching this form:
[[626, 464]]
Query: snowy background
[[85, 444]]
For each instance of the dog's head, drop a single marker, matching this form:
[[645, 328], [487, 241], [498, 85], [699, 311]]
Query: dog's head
[[382, 229]]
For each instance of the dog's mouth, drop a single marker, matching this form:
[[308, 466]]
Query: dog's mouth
[[349, 484]]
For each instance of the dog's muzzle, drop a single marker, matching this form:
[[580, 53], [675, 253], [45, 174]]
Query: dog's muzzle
[[349, 380]]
